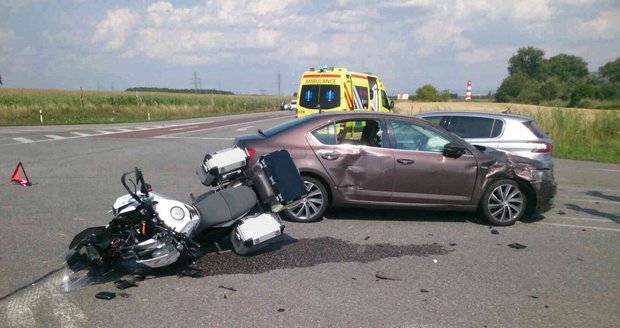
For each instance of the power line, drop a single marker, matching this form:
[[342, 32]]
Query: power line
[[196, 81]]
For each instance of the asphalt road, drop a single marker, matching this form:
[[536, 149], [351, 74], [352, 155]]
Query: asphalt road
[[443, 269]]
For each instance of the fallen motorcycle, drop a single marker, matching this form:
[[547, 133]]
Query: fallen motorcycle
[[150, 230]]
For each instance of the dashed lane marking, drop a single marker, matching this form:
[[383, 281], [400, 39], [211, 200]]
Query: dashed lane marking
[[202, 138], [22, 140], [579, 226], [184, 128], [54, 137], [82, 134]]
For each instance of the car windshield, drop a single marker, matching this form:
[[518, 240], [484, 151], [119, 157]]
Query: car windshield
[[285, 126]]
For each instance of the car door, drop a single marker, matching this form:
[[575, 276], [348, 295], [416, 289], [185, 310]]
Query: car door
[[421, 173], [352, 154]]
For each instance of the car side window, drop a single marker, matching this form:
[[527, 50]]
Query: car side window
[[351, 132], [475, 127], [434, 119], [411, 136]]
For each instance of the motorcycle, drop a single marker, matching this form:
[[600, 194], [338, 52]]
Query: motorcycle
[[150, 230]]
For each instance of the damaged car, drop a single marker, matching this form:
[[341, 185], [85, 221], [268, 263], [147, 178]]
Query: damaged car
[[384, 160]]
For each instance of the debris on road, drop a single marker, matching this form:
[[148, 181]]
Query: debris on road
[[124, 284], [105, 295], [227, 288], [281, 310], [517, 246], [382, 275], [452, 244], [561, 212], [532, 296], [424, 290], [367, 237], [494, 232]]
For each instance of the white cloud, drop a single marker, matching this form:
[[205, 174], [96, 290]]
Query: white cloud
[[484, 55], [436, 34], [605, 26], [115, 28], [6, 36]]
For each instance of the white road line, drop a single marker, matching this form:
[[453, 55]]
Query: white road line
[[122, 130], [576, 218], [22, 140], [217, 127], [203, 138], [579, 226], [245, 128], [608, 170], [103, 132], [55, 137], [587, 200], [81, 134], [142, 128], [184, 128]]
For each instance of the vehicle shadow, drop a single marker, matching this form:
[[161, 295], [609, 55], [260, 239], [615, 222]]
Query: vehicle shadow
[[613, 217], [599, 194], [402, 215]]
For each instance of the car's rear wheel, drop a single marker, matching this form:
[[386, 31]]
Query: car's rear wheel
[[313, 206], [503, 203]]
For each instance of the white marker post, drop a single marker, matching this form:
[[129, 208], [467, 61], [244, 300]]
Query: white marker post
[[148, 116], [41, 116]]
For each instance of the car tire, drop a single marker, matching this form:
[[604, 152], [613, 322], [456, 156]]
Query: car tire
[[313, 206], [503, 203]]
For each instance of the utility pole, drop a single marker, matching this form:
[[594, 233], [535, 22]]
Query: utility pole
[[112, 86], [0, 79], [262, 92], [196, 81]]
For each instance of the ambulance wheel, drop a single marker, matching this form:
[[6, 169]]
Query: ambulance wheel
[[313, 206], [238, 247]]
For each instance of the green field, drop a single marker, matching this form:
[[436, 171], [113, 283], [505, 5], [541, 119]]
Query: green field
[[22, 106], [583, 134]]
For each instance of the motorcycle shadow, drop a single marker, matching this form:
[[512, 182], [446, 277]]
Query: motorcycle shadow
[[402, 215]]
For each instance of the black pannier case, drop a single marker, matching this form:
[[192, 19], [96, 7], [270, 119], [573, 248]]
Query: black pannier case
[[277, 180]]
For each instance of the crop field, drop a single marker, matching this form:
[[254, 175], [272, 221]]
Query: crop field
[[23, 106], [584, 134]]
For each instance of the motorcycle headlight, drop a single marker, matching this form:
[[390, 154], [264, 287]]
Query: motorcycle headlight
[[177, 213]]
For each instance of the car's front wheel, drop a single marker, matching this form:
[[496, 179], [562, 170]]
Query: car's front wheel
[[503, 203], [313, 206]]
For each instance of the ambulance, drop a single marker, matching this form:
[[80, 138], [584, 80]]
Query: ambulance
[[332, 89]]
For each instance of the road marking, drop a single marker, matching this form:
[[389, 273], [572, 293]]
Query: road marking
[[579, 226], [587, 200], [608, 170], [184, 128], [576, 218], [55, 137], [81, 134], [20, 310], [103, 132], [202, 138], [22, 140], [122, 130], [245, 128]]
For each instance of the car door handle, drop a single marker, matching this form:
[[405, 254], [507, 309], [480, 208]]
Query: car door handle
[[330, 156], [405, 161]]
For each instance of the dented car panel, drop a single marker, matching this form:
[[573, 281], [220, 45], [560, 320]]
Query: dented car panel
[[401, 163]]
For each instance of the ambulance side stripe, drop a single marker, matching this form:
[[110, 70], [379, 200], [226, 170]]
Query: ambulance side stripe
[[347, 96]]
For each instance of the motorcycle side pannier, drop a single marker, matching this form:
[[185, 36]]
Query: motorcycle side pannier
[[277, 180], [222, 166]]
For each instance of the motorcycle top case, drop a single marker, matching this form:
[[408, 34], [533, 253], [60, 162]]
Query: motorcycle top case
[[222, 165], [277, 180]]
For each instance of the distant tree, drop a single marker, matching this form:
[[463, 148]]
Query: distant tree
[[427, 92], [610, 71], [564, 67], [511, 87], [529, 61]]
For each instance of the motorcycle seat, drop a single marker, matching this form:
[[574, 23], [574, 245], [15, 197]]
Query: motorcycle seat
[[217, 207]]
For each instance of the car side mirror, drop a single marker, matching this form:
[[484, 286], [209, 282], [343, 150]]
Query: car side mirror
[[391, 104], [453, 150]]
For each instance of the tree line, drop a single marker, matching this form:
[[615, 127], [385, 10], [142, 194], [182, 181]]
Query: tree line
[[563, 78]]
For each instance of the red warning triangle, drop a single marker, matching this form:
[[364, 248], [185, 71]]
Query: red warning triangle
[[18, 179]]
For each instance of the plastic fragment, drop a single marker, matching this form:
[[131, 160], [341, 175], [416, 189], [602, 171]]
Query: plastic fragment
[[517, 246]]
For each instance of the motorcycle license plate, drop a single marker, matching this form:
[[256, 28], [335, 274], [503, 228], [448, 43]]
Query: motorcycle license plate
[[260, 228]]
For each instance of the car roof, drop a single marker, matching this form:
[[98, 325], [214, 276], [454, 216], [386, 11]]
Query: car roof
[[475, 113]]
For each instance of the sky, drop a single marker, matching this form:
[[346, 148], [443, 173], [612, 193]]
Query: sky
[[244, 46]]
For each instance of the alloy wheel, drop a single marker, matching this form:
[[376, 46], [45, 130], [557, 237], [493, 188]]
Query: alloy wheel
[[506, 203]]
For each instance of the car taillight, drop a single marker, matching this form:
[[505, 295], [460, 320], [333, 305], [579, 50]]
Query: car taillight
[[251, 152], [541, 147]]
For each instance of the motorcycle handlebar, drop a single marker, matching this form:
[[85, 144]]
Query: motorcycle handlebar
[[140, 181]]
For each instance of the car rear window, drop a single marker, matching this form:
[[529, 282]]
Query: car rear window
[[537, 131], [320, 96], [475, 127]]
